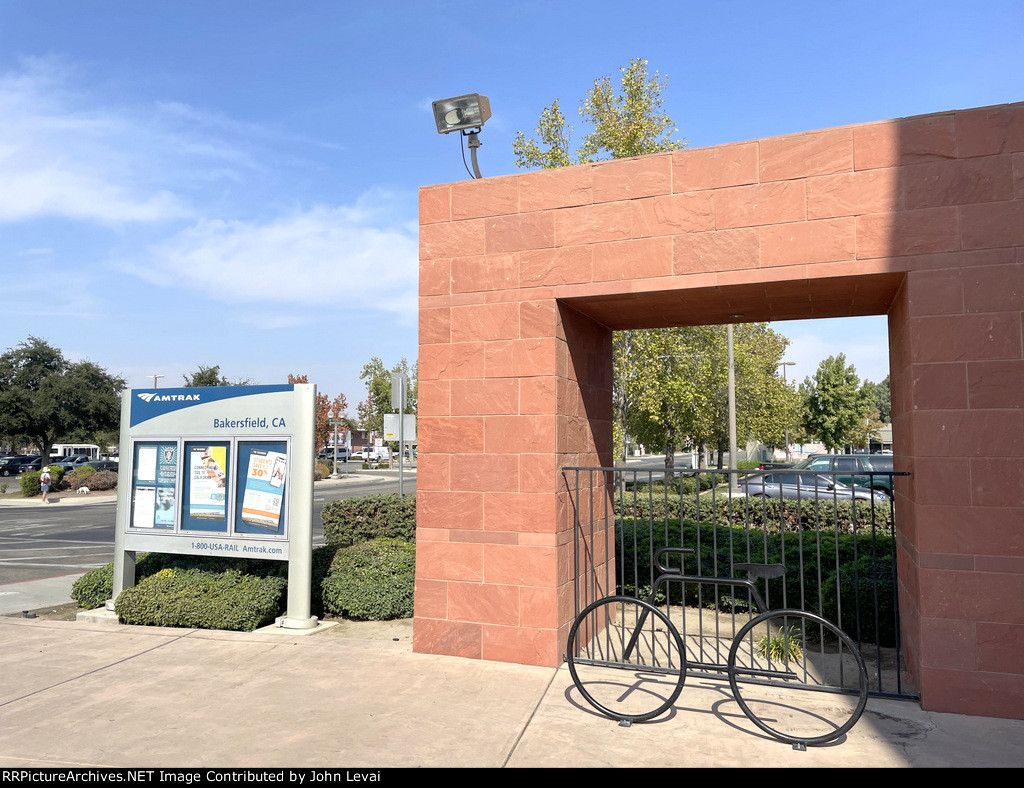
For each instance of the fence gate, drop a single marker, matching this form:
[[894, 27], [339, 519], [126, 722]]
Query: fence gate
[[832, 545]]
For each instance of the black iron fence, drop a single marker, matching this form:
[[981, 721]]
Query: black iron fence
[[834, 536]]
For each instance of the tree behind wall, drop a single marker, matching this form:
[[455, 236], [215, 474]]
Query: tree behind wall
[[627, 122], [835, 404], [378, 393], [44, 397], [210, 376], [324, 406]]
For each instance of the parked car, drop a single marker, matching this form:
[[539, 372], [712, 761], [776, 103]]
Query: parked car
[[103, 465], [362, 454], [10, 465], [863, 470], [28, 463], [806, 486], [71, 462], [327, 453]]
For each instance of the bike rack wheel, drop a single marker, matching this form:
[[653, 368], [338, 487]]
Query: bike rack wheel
[[626, 658], [798, 677]]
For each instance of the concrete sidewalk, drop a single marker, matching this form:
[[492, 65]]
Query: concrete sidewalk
[[80, 694]]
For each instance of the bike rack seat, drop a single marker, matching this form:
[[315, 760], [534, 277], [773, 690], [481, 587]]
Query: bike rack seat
[[767, 571]]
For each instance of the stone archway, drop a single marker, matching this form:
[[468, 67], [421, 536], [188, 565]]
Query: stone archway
[[524, 277]]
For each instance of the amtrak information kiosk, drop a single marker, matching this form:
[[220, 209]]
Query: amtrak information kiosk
[[219, 471]]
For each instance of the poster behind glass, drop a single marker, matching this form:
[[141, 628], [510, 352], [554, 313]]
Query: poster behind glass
[[262, 488], [205, 494], [154, 485]]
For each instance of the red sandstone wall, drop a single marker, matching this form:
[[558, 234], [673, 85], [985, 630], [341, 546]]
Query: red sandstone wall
[[522, 277]]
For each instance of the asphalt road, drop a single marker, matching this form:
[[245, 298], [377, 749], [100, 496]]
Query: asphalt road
[[39, 541]]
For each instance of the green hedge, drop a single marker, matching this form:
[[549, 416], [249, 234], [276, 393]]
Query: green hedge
[[372, 581], [829, 561], [31, 486], [766, 513], [94, 588], [175, 597], [356, 520]]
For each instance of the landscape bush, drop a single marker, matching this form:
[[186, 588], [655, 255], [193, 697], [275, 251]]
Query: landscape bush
[[78, 477], [31, 486], [320, 471], [770, 514], [837, 573], [355, 520], [94, 588], [373, 581], [366, 571], [201, 599], [103, 480]]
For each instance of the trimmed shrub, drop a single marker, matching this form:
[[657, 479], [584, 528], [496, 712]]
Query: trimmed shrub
[[372, 581], [103, 480], [31, 486], [94, 588], [175, 597], [770, 514], [823, 556], [857, 591], [355, 520], [78, 477], [320, 471]]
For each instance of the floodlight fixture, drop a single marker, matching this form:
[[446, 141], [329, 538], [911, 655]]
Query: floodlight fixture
[[463, 113]]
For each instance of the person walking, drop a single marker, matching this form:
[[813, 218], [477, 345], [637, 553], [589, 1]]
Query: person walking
[[44, 481]]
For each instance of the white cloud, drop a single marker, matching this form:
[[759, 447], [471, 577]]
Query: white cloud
[[65, 153], [353, 256]]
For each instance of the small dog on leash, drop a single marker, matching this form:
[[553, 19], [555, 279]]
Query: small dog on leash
[[82, 491]]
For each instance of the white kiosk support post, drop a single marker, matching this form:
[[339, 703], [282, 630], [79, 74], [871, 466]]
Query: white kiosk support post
[[300, 560], [124, 561], [221, 471]]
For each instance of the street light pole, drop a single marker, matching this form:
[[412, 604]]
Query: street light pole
[[334, 432], [785, 364], [155, 378], [733, 479]]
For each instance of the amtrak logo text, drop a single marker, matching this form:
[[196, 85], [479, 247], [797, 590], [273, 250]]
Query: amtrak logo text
[[151, 397]]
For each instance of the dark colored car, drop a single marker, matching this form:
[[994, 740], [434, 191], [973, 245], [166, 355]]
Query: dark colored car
[[806, 486], [863, 470], [103, 465], [28, 463], [10, 465]]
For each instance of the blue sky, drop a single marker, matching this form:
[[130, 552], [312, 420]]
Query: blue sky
[[234, 183]]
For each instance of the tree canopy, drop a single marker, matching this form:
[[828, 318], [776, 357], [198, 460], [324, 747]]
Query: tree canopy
[[324, 406], [675, 384], [210, 376], [378, 393], [626, 122], [45, 398], [835, 404]]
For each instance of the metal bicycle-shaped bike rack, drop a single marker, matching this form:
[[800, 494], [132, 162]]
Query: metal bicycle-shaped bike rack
[[773, 661]]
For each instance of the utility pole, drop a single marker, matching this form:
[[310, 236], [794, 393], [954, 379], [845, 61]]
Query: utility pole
[[733, 478]]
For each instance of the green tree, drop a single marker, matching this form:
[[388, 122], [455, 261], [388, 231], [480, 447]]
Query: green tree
[[676, 386], [834, 402], [627, 122], [45, 398], [210, 376], [324, 406], [881, 399], [378, 393]]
